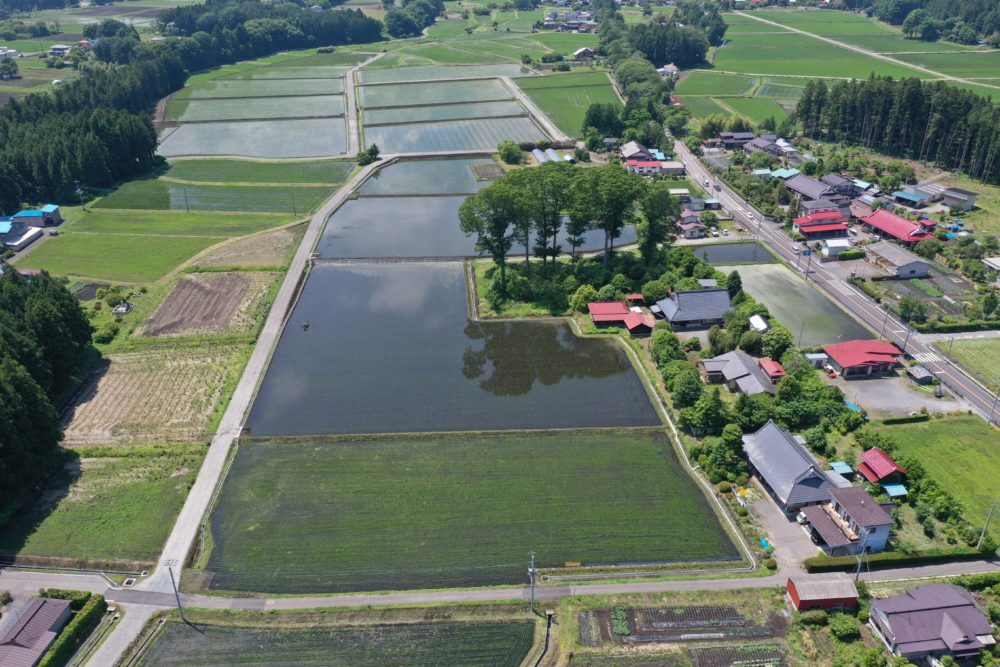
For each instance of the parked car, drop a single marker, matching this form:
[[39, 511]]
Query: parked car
[[796, 248]]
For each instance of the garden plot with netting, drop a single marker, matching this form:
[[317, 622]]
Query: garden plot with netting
[[314, 106], [443, 92], [320, 515], [438, 112], [260, 139], [440, 72], [486, 644], [222, 88], [457, 135]]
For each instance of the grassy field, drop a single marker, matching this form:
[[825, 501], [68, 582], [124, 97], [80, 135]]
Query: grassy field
[[561, 80], [489, 644], [175, 223], [960, 453], [566, 106], [979, 357], [167, 196], [709, 83], [986, 216], [967, 65], [107, 504], [457, 511], [757, 109], [325, 172], [703, 107]]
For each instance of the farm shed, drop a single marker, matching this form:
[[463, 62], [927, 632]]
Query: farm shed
[[784, 174], [877, 466], [919, 374], [26, 239], [963, 199], [827, 591], [862, 357], [604, 313], [833, 247], [583, 53], [739, 371], [807, 188], [884, 223], [911, 198], [33, 632], [897, 261]]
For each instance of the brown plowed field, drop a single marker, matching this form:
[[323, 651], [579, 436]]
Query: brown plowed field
[[155, 395], [210, 303], [270, 249]]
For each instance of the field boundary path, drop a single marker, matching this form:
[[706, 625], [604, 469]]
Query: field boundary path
[[851, 300], [536, 114], [870, 54], [351, 106]]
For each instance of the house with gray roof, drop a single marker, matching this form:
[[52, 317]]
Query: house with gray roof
[[851, 522], [31, 635], [839, 184], [739, 371], [784, 466], [930, 622], [897, 260], [697, 309], [808, 188], [963, 199]]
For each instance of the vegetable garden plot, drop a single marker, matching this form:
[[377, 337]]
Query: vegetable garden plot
[[425, 177], [336, 59], [486, 644], [167, 195], [443, 112], [445, 92], [221, 88], [429, 72], [210, 303], [267, 107], [748, 655], [264, 139], [338, 516], [483, 134], [408, 322]]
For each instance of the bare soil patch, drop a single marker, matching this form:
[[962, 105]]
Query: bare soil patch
[[210, 303], [163, 394], [270, 249], [488, 172]]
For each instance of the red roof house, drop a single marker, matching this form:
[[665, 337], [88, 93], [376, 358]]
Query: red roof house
[[639, 324], [877, 466], [862, 357], [607, 311], [824, 591], [901, 229], [772, 368], [635, 297]]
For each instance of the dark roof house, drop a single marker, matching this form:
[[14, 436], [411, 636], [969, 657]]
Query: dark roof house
[[934, 620], [784, 465], [851, 522], [806, 187], [739, 371], [697, 308], [33, 632]]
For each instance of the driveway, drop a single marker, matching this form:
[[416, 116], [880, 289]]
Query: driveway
[[853, 267], [790, 541], [895, 396]]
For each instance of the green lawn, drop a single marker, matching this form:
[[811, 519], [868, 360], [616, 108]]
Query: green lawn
[[566, 106], [979, 357], [482, 643], [960, 453], [115, 503], [314, 516], [327, 172]]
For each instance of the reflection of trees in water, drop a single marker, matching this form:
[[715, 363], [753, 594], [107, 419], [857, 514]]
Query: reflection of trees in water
[[513, 355]]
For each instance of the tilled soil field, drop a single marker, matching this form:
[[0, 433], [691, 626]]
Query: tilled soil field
[[164, 394], [271, 249], [677, 624], [210, 303]]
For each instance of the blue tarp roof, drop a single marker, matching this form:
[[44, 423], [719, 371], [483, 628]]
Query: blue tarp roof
[[658, 155], [894, 490], [785, 173], [50, 208], [911, 196], [840, 467], [5, 226], [28, 214], [864, 185]]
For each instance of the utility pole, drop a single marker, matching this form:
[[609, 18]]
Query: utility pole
[[950, 343], [862, 553], [801, 331], [996, 396], [531, 576], [177, 596], [906, 340], [186, 206], [885, 322], [986, 525]]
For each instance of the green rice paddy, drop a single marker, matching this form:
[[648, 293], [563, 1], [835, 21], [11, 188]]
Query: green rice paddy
[[567, 105], [576, 79], [703, 107], [326, 172], [332, 516], [169, 196], [757, 109], [710, 83]]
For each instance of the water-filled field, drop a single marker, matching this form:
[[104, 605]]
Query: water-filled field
[[426, 177], [503, 644], [435, 72], [258, 88], [480, 135], [264, 139], [794, 302], [320, 515], [445, 92], [291, 72], [443, 112], [267, 107], [388, 348]]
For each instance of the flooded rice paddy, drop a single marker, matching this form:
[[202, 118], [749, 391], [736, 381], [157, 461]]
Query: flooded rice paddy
[[748, 252]]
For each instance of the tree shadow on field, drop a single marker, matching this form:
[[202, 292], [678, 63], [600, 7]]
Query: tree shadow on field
[[85, 393]]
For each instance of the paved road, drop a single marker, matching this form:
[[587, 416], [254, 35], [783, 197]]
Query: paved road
[[870, 54], [853, 301]]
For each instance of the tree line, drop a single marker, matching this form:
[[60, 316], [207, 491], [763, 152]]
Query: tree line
[[957, 20], [931, 121], [95, 130], [412, 17], [43, 332]]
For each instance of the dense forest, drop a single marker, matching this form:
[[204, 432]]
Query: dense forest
[[924, 120], [95, 130], [958, 20], [410, 19], [43, 332]]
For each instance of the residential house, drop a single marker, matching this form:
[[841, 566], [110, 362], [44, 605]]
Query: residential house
[[672, 168], [830, 592], [698, 309], [644, 167], [896, 260], [879, 468], [59, 50], [851, 522], [839, 184], [692, 230], [833, 247], [912, 198], [890, 225], [856, 358], [668, 71], [757, 145], [786, 148], [738, 371], [931, 622], [633, 150], [735, 139], [30, 636], [825, 224], [861, 187], [617, 313], [583, 53], [689, 216], [957, 197], [86, 44], [814, 206], [808, 188], [782, 464]]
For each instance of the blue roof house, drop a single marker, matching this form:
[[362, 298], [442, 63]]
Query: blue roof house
[[47, 215]]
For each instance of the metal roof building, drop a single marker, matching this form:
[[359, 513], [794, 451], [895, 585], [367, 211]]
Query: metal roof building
[[786, 467], [824, 591], [33, 632], [698, 308]]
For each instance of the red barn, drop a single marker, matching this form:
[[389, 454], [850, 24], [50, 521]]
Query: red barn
[[822, 591], [878, 466]]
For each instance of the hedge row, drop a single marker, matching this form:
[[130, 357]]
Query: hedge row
[[908, 419], [850, 254], [75, 633], [76, 598], [956, 327], [892, 559]]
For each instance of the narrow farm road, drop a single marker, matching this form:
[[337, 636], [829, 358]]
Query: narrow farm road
[[351, 106], [871, 54]]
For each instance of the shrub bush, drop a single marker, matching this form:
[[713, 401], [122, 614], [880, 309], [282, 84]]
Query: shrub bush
[[5, 598], [770, 564], [850, 254], [76, 598], [891, 559], [724, 487], [75, 633], [814, 617], [619, 622], [844, 627]]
